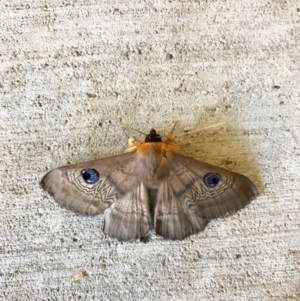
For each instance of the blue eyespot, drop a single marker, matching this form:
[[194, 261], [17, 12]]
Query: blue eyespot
[[90, 175], [211, 179]]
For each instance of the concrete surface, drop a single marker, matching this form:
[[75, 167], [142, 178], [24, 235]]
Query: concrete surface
[[150, 63]]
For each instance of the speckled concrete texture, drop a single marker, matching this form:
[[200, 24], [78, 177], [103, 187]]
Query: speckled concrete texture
[[65, 64]]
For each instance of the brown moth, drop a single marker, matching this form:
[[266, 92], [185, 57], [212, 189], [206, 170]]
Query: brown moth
[[150, 184]]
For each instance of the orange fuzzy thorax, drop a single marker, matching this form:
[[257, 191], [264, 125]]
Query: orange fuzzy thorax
[[152, 163], [145, 148]]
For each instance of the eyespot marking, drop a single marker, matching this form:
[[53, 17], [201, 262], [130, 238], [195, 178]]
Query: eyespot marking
[[90, 175], [211, 179]]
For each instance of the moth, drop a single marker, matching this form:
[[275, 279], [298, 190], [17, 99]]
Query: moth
[[150, 186]]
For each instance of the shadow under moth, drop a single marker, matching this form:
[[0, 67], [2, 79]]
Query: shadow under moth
[[150, 185]]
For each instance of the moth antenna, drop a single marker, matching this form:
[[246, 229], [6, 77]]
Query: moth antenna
[[166, 135], [208, 127], [174, 127], [123, 125]]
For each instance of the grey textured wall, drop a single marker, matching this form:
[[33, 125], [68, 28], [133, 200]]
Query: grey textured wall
[[150, 63]]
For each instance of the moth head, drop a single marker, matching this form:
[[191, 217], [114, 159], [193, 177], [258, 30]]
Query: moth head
[[153, 136]]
